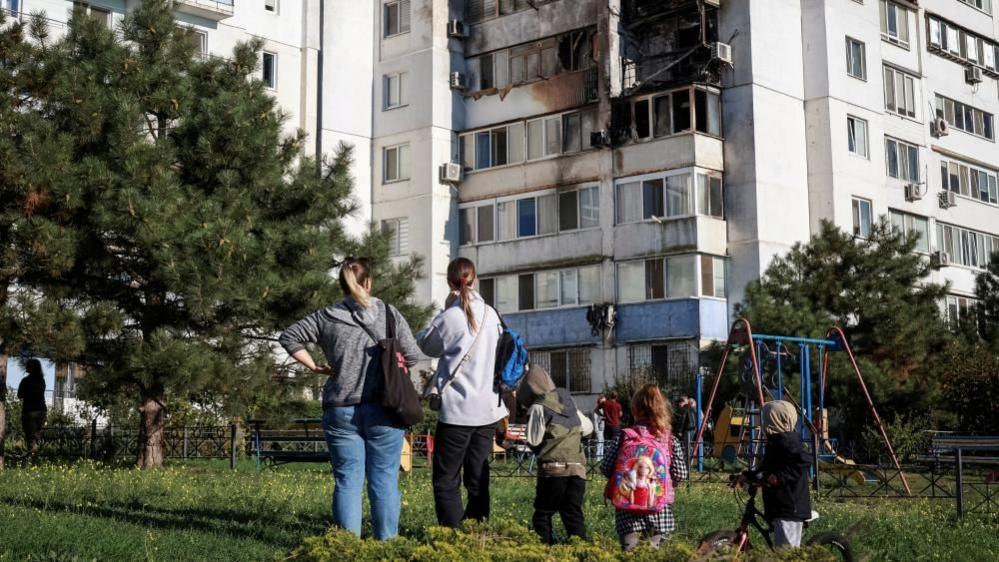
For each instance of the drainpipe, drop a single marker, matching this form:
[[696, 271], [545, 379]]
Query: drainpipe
[[319, 82]]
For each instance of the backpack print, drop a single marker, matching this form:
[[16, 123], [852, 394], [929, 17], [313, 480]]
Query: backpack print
[[641, 481]]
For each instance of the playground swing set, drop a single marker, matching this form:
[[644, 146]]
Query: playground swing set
[[738, 435]]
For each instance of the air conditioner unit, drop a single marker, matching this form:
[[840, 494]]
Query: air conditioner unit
[[450, 172], [939, 259], [973, 75], [600, 138], [722, 52], [947, 199], [456, 29], [457, 81], [939, 127], [912, 192]]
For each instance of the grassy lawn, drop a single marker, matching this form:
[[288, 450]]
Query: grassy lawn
[[202, 511]]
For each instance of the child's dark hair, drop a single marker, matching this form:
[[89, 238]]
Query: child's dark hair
[[648, 406], [460, 276]]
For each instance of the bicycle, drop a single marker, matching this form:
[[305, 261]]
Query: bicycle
[[739, 538]]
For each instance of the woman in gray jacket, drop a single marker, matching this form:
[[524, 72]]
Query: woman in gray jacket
[[364, 439], [464, 336]]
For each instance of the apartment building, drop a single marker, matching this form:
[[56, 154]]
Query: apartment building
[[900, 101], [619, 170]]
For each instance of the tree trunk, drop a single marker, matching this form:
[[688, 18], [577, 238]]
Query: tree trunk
[[152, 417], [3, 406]]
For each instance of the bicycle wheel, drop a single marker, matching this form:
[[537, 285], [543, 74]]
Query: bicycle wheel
[[716, 540], [835, 543]]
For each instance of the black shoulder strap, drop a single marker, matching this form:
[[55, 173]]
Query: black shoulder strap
[[389, 321]]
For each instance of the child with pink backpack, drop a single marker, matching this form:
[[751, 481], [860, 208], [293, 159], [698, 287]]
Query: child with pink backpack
[[643, 467]]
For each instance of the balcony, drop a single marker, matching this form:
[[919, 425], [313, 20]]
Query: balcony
[[215, 10], [695, 233], [538, 251]]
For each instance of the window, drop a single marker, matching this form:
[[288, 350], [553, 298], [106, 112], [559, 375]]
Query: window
[[708, 114], [902, 159], [478, 10], [856, 59], [97, 13], [271, 6], [575, 51], [398, 230], [667, 114], [983, 5], [856, 134], [476, 224], [713, 277], [953, 42], [507, 293], [395, 17], [862, 218], [969, 181], [525, 292], [670, 196], [965, 118], [900, 92], [577, 286], [394, 90], [907, 224], [199, 40], [544, 137], [960, 309], [673, 364], [269, 69], [493, 147], [709, 195], [487, 76], [966, 247], [533, 61], [396, 163], [527, 217], [546, 289], [569, 368], [895, 23], [654, 279], [487, 288]]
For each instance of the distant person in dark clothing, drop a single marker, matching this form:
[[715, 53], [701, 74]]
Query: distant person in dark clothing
[[610, 409], [688, 422], [31, 392]]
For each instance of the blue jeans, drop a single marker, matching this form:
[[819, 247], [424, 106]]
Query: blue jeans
[[364, 442]]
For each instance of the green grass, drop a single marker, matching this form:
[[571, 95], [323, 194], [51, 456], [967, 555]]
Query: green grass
[[202, 511]]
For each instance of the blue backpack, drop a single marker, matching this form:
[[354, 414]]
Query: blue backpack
[[511, 360]]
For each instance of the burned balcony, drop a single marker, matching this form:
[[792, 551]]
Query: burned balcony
[[215, 10]]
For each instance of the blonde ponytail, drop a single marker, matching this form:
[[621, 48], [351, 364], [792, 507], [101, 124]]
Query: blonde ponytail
[[354, 273]]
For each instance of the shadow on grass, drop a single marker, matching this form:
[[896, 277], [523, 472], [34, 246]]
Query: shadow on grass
[[270, 530]]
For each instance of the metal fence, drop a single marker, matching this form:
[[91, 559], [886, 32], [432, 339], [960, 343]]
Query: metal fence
[[116, 442]]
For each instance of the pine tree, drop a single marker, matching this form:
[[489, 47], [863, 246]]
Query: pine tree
[[987, 308], [168, 230], [878, 291]]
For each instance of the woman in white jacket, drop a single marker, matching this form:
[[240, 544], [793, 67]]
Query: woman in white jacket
[[464, 336]]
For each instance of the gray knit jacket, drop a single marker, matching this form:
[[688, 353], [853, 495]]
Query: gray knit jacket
[[351, 353]]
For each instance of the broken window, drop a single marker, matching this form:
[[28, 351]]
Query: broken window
[[642, 130], [575, 50], [681, 110], [571, 127], [532, 61], [486, 76], [708, 106]]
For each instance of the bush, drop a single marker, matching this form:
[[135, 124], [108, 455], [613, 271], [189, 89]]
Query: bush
[[507, 541]]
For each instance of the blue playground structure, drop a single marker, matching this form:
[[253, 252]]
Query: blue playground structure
[[763, 377]]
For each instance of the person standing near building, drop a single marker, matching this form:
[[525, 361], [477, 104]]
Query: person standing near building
[[364, 439], [464, 336], [610, 409], [31, 392]]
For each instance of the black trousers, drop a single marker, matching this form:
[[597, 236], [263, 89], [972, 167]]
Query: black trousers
[[460, 449], [562, 494]]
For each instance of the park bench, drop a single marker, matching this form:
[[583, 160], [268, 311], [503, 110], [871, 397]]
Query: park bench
[[308, 444], [976, 449], [284, 446]]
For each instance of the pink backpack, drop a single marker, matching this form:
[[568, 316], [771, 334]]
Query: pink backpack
[[641, 481]]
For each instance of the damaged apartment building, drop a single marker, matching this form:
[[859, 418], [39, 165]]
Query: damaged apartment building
[[591, 196]]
